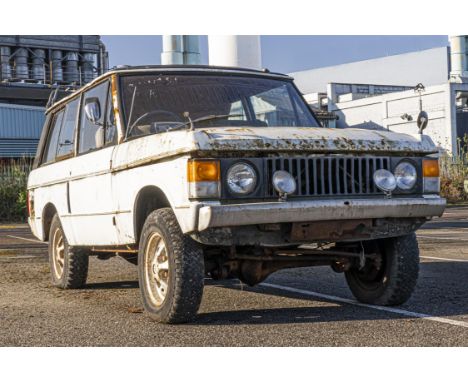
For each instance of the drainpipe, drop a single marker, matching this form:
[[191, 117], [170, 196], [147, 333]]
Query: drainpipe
[[238, 51], [103, 58]]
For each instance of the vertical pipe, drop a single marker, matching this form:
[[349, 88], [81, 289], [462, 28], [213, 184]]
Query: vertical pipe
[[87, 62], [57, 70], [172, 53], [21, 64], [238, 51], [71, 67], [191, 50], [103, 59], [458, 56], [5, 53], [37, 66]]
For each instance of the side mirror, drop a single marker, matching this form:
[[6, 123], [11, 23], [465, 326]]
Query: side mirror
[[422, 121], [93, 109]]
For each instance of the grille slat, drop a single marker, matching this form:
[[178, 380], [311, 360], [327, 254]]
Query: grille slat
[[337, 175], [367, 162], [299, 177], [360, 176], [345, 175], [314, 178], [329, 175]]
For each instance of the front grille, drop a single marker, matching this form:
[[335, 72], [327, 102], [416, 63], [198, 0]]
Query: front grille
[[327, 176]]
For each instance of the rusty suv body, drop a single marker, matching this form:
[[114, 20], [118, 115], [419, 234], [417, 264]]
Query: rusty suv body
[[213, 148]]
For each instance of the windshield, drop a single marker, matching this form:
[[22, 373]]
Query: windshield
[[158, 103]]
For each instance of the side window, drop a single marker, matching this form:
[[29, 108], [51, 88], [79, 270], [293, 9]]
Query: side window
[[51, 148], [67, 133], [92, 130], [111, 128]]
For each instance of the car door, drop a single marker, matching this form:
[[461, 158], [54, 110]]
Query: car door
[[90, 185], [51, 176]]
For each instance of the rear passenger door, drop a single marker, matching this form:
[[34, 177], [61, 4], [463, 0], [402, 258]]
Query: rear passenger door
[[90, 186]]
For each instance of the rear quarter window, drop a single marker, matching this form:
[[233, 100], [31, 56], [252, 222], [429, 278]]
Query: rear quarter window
[[52, 141], [66, 139]]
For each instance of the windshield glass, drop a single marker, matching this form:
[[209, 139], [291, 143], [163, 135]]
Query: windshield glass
[[158, 103]]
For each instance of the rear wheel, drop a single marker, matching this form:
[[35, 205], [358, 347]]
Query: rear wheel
[[68, 266], [391, 277], [170, 268]]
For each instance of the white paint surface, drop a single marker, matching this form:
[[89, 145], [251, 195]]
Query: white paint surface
[[429, 67], [385, 112]]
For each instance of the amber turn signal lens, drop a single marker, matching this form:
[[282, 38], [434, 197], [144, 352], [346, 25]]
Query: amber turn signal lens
[[203, 170], [430, 168]]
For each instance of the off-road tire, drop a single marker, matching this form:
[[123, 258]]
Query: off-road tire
[[75, 264], [397, 277], [186, 270]]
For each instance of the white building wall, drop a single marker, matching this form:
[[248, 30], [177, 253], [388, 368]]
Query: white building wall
[[386, 111], [429, 67]]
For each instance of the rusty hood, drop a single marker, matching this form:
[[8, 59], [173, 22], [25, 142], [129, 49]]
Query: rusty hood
[[271, 139], [311, 140]]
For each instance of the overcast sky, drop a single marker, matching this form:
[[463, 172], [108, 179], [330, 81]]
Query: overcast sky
[[282, 53]]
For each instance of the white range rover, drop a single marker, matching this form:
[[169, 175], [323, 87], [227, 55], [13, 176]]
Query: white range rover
[[204, 171]]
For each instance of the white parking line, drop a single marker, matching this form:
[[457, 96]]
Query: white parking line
[[443, 258], [26, 239], [442, 238], [18, 257], [375, 307]]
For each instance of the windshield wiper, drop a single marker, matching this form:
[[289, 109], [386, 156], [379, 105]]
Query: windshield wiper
[[202, 119]]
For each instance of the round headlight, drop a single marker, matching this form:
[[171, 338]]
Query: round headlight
[[284, 182], [406, 175], [241, 179], [384, 180]]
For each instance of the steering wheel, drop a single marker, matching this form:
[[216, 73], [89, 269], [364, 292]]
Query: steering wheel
[[154, 112]]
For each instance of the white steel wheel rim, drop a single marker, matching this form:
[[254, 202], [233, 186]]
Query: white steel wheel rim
[[156, 269], [58, 252]]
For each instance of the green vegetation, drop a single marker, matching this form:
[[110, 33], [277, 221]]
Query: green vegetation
[[13, 182], [453, 172]]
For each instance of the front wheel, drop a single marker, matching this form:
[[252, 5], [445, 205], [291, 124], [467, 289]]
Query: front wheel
[[170, 269], [390, 277]]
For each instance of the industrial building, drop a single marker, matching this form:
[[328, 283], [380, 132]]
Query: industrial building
[[382, 93], [373, 94], [31, 67], [430, 67]]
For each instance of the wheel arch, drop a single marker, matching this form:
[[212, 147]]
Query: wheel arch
[[48, 213], [148, 199]]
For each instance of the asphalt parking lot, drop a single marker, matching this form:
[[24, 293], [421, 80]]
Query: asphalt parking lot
[[304, 307]]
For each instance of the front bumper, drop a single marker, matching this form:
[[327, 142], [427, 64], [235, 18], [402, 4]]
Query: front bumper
[[317, 210]]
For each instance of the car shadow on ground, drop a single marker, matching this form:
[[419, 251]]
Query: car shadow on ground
[[331, 312], [449, 298], [435, 295]]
